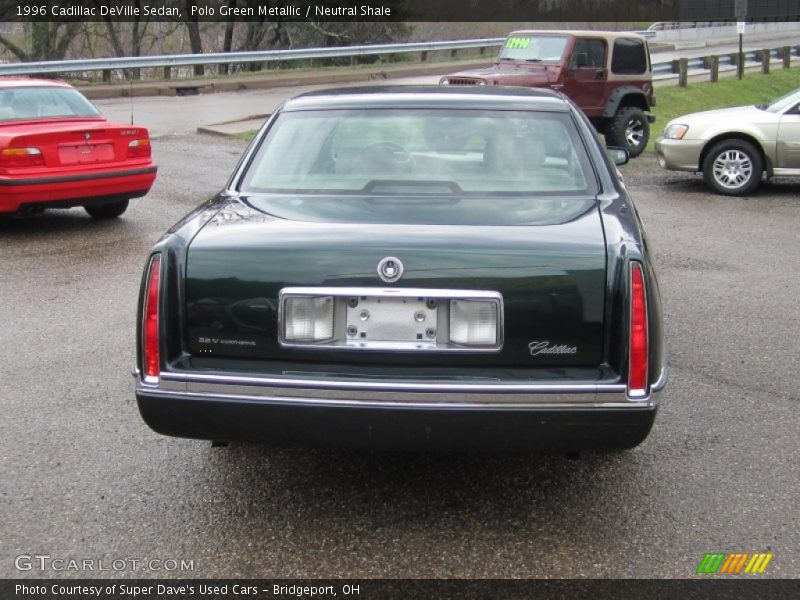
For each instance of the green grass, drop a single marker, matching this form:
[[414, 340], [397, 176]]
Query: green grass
[[245, 135], [754, 88]]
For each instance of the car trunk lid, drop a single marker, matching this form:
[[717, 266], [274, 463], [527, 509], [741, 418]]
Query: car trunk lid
[[66, 143], [550, 274]]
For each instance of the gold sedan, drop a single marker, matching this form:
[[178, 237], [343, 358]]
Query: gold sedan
[[736, 147]]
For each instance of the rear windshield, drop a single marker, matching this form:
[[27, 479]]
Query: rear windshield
[[534, 48], [412, 152], [43, 102]]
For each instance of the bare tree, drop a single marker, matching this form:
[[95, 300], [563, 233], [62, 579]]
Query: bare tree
[[193, 28], [137, 28], [45, 41], [139, 36], [227, 42]]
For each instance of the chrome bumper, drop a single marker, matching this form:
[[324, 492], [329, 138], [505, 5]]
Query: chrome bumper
[[402, 394], [398, 415]]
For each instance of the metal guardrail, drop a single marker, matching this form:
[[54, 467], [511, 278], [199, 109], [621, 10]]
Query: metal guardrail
[[673, 25], [660, 69], [664, 70], [186, 60]]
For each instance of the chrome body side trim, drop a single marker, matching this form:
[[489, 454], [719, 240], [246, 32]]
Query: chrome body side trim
[[402, 394], [540, 402], [388, 292], [437, 386]]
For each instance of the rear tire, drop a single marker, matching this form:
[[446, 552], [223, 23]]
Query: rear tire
[[733, 168], [629, 129], [109, 210]]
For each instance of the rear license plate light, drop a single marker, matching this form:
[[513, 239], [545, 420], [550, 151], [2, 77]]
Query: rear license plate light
[[308, 319], [473, 322]]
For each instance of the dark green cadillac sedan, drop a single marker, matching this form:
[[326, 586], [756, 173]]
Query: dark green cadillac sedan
[[407, 267]]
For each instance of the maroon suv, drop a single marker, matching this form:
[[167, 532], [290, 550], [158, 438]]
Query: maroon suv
[[607, 74]]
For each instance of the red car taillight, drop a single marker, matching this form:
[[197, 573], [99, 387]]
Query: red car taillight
[[152, 364], [139, 148], [637, 362], [21, 157]]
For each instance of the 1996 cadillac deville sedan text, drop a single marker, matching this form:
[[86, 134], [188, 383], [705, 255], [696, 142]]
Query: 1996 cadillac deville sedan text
[[428, 268]]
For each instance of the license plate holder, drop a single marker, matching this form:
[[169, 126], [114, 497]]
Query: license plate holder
[[387, 320]]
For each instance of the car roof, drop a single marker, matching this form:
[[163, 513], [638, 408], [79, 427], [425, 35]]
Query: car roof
[[609, 35], [432, 96], [13, 82]]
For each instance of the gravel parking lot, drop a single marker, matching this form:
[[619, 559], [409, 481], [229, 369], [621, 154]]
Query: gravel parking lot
[[81, 476]]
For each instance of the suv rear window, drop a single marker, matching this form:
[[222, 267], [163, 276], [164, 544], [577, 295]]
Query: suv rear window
[[629, 57]]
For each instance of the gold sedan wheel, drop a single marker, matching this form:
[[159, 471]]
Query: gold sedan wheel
[[733, 168]]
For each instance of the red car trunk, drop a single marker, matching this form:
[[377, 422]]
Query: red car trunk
[[72, 142]]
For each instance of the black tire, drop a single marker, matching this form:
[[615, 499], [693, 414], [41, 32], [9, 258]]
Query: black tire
[[109, 210], [733, 168], [629, 129]]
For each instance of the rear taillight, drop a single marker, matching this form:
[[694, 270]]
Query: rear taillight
[[139, 148], [21, 157], [152, 364], [637, 363]]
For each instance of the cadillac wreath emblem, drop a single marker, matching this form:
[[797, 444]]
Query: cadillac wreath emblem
[[390, 269]]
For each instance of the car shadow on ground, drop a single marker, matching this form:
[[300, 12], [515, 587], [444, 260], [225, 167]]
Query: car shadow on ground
[[645, 173], [413, 488], [54, 222], [768, 193], [71, 235]]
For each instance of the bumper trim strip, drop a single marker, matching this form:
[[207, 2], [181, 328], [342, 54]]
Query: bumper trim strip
[[538, 402], [398, 386], [396, 394], [85, 177]]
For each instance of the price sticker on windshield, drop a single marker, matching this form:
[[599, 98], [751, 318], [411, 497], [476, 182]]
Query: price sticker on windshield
[[518, 42]]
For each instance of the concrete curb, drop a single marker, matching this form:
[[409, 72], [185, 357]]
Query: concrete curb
[[232, 128]]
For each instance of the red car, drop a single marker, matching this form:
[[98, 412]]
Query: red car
[[58, 151]]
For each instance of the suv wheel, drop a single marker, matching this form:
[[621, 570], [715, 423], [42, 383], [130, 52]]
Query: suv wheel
[[733, 168], [109, 210], [629, 129]]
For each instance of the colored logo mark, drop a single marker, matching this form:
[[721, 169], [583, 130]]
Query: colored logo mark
[[734, 563]]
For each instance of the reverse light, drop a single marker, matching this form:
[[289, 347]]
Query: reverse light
[[150, 342], [308, 319], [638, 335], [676, 131], [21, 157], [473, 322], [139, 148]]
